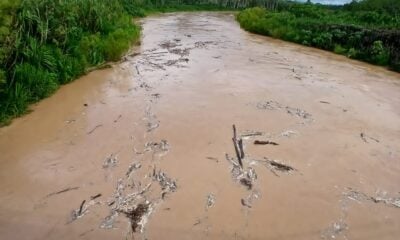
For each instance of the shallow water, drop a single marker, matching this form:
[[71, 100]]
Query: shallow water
[[337, 123]]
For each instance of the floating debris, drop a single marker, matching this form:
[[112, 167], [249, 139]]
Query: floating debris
[[210, 201], [299, 113], [261, 142], [110, 161], [135, 214], [246, 182], [181, 52], [251, 134], [62, 191], [91, 131], [198, 221], [168, 45], [133, 167], [245, 203], [161, 146], [78, 213], [118, 118], [238, 147], [360, 196], [95, 196], [213, 158], [335, 230], [166, 183], [274, 166], [289, 133], [273, 105], [268, 105], [365, 138], [108, 222]]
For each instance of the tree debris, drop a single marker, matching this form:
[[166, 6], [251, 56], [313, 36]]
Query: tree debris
[[118, 118], [110, 161], [166, 183], [81, 207], [210, 201], [62, 191], [365, 138], [133, 167], [261, 142], [235, 145], [273, 105], [246, 182], [213, 158], [95, 196], [335, 230], [78, 213], [360, 196], [274, 166], [161, 146], [136, 213], [91, 131], [251, 134], [245, 203]]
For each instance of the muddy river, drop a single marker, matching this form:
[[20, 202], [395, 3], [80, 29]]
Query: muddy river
[[147, 150]]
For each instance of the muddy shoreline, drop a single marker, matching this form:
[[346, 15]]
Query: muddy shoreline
[[147, 149]]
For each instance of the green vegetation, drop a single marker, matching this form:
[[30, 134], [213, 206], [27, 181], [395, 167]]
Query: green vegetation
[[47, 43], [366, 30]]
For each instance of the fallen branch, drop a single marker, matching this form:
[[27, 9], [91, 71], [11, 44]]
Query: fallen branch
[[62, 191], [260, 142], [95, 196], [235, 144], [118, 118], [240, 143], [91, 131]]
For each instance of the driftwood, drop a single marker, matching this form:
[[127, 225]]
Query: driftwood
[[364, 137], [91, 131], [135, 215], [95, 196], [260, 142], [81, 207], [62, 191], [246, 182], [118, 118], [235, 144], [240, 144], [244, 203]]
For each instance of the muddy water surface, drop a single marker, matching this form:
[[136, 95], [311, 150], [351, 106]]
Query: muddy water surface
[[144, 150]]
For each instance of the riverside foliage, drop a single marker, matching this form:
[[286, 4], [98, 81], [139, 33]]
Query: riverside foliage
[[47, 43], [368, 30]]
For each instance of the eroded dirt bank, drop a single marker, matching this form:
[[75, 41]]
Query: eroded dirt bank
[[146, 149]]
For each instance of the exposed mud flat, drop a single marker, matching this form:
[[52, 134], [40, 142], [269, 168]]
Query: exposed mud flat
[[146, 150]]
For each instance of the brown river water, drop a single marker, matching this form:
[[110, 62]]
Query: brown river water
[[144, 149]]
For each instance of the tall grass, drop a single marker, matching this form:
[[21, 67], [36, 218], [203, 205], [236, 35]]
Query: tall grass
[[46, 43]]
